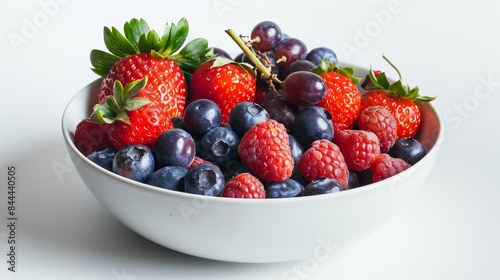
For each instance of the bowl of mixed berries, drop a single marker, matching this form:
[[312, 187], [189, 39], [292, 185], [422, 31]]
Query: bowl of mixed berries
[[279, 153]]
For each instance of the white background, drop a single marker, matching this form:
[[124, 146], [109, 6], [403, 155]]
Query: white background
[[450, 48]]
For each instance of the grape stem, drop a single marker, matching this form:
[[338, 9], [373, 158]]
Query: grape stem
[[253, 58]]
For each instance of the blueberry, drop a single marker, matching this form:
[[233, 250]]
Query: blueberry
[[283, 189], [135, 162], [168, 177], [296, 148], [311, 124], [220, 146], [282, 111], [178, 122], [323, 186], [205, 179], [407, 149], [200, 116], [104, 158], [221, 53], [174, 147], [245, 115], [317, 54], [353, 181]]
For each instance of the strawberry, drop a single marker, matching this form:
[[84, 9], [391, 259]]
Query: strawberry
[[324, 160], [343, 99], [358, 147], [91, 135], [225, 82], [385, 166], [244, 185], [136, 115], [380, 121], [142, 52], [400, 100], [266, 151]]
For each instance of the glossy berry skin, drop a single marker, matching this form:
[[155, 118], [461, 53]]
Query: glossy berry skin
[[380, 121], [304, 88], [322, 53], [298, 65], [244, 185], [265, 36], [311, 124], [282, 111], [245, 115], [324, 160], [359, 147], [174, 147], [385, 166], [168, 177], [91, 136], [289, 50], [227, 85], [200, 116], [323, 186], [198, 160], [296, 148], [135, 162], [165, 79], [406, 112], [284, 189], [408, 149], [221, 52], [220, 146], [265, 150], [204, 179], [342, 100], [353, 181], [104, 158]]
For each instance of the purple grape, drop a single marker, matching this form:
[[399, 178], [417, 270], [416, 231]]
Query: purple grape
[[304, 88], [265, 36], [289, 50]]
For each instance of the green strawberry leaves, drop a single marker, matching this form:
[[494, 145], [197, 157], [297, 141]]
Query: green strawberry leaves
[[123, 99], [380, 81], [326, 66], [138, 38]]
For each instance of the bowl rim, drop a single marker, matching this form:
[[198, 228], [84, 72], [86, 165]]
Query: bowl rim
[[68, 139]]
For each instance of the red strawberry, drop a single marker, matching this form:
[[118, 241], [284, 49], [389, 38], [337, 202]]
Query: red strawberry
[[385, 166], [343, 99], [142, 52], [225, 82], [244, 185], [359, 147], [91, 135], [398, 99], [380, 121], [136, 114], [324, 160], [266, 151]]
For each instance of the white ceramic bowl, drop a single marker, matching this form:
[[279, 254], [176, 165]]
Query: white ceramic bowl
[[252, 231]]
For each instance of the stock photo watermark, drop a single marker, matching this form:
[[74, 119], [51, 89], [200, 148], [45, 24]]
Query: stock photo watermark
[[11, 222], [363, 36], [31, 25], [121, 275], [222, 7]]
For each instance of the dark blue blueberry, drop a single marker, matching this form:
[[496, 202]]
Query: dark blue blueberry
[[353, 181], [174, 147], [200, 116], [178, 122], [135, 162], [296, 148], [205, 179], [407, 149], [168, 177], [221, 53], [220, 146], [323, 186], [245, 115], [283, 189], [317, 54], [282, 111], [104, 158], [311, 124]]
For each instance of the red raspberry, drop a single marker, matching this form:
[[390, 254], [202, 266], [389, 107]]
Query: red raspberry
[[244, 185], [359, 147], [385, 166], [380, 121], [91, 136], [324, 160], [266, 151], [197, 160]]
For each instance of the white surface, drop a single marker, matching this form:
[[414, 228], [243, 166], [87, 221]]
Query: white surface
[[448, 48]]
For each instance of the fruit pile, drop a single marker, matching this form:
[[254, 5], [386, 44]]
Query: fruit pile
[[276, 121]]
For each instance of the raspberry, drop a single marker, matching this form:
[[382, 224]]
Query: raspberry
[[380, 121], [265, 150], [385, 166], [359, 147], [91, 136], [244, 185], [324, 160]]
